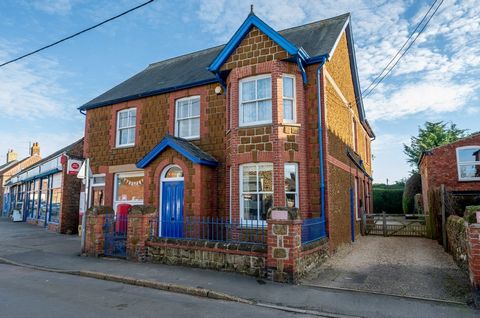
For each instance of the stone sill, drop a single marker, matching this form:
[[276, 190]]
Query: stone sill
[[205, 245]]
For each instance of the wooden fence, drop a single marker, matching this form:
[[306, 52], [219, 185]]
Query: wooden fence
[[394, 224]]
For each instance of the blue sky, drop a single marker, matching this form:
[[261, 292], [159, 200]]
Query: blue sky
[[437, 80]]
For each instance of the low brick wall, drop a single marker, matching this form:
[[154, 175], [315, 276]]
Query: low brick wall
[[312, 255], [457, 241], [233, 257]]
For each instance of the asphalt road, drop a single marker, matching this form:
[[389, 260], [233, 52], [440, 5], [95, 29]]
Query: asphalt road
[[30, 293]]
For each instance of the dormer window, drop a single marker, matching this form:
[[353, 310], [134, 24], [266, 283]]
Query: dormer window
[[468, 163], [255, 101], [126, 122]]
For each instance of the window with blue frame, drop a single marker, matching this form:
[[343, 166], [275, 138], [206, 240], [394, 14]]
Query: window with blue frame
[[36, 195], [55, 198], [43, 210]]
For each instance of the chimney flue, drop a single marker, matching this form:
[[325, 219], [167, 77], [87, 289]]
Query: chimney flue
[[11, 155], [35, 149]]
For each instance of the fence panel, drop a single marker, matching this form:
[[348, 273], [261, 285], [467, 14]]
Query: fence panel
[[215, 229], [394, 225], [313, 229]]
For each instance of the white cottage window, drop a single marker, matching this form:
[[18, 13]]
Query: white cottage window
[[468, 163], [255, 101], [126, 122]]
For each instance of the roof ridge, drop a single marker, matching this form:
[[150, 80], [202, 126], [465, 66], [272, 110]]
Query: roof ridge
[[184, 55], [314, 22]]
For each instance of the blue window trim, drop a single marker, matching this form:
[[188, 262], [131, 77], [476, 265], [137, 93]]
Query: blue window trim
[[168, 141]]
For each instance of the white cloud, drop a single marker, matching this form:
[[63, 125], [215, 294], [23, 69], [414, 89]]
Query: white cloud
[[414, 98], [61, 7], [31, 88]]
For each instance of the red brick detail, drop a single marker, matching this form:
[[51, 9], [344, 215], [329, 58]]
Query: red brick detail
[[95, 239], [284, 242], [138, 232]]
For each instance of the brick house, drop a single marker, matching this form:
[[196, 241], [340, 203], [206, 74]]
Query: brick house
[[46, 194], [270, 119], [11, 167], [456, 165]]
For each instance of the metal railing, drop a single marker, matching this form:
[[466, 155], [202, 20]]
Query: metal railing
[[313, 230], [215, 229]]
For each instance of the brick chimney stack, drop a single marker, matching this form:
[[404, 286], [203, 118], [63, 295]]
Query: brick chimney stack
[[11, 155], [35, 150]]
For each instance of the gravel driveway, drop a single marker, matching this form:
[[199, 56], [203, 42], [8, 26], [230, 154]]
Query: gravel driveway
[[405, 266]]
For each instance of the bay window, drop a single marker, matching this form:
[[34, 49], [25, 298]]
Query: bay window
[[468, 163], [255, 100], [126, 123], [289, 99], [187, 118], [256, 191], [291, 185]]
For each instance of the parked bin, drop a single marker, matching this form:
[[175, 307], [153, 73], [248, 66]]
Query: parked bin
[[122, 218]]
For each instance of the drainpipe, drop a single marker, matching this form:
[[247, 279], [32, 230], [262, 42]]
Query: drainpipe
[[320, 141]]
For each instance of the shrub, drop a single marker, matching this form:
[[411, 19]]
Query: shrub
[[412, 187], [388, 200]]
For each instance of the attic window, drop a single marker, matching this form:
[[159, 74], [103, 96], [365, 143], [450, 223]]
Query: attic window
[[468, 163]]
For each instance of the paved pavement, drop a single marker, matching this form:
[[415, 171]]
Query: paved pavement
[[406, 266], [31, 245], [26, 293]]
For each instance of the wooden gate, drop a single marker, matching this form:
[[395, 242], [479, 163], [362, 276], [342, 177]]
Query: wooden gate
[[394, 224]]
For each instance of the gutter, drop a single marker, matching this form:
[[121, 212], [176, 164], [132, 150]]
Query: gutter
[[320, 141]]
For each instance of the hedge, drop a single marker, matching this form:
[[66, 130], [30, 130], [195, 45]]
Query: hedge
[[388, 200]]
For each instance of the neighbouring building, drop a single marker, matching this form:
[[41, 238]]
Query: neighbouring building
[[46, 194], [11, 167], [456, 165], [271, 119]]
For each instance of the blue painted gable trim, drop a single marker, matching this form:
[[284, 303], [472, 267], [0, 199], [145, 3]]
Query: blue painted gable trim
[[168, 141], [253, 20], [353, 66]]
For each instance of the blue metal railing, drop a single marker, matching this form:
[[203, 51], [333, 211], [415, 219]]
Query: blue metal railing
[[313, 230], [215, 229]]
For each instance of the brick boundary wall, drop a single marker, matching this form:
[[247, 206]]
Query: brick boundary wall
[[232, 257], [473, 235], [312, 255]]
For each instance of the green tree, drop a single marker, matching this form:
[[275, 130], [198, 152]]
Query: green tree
[[430, 136]]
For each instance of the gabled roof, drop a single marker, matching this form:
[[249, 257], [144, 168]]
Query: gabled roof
[[317, 39], [430, 151], [251, 21], [182, 146]]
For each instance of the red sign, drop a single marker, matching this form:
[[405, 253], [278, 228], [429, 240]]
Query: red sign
[[73, 166]]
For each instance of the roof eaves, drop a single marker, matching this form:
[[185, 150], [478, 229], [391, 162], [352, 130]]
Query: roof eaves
[[88, 106], [169, 141]]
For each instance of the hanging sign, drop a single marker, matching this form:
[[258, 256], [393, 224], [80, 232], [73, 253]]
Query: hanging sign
[[73, 166]]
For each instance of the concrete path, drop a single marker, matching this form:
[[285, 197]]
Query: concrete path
[[405, 266], [31, 245]]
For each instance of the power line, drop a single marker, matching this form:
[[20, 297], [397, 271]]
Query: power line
[[77, 34], [406, 50], [400, 50]]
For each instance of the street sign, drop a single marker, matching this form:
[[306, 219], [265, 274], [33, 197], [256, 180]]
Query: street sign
[[73, 166]]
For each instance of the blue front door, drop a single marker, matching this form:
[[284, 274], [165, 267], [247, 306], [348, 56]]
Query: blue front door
[[172, 209]]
